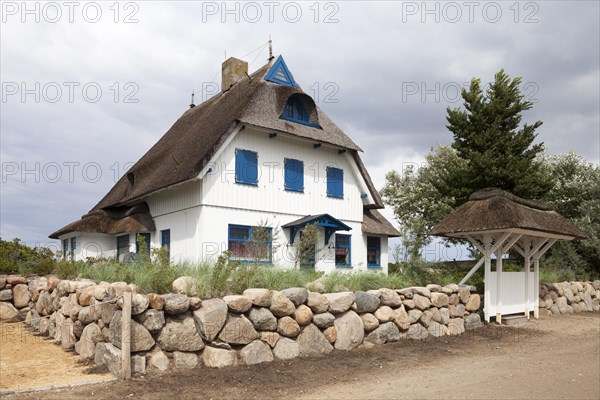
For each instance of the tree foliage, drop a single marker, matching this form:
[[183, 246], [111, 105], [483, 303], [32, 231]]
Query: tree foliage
[[492, 149], [489, 136]]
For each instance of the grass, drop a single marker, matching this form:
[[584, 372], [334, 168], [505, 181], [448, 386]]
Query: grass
[[223, 277]]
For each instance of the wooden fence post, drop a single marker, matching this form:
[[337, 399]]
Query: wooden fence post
[[126, 337]]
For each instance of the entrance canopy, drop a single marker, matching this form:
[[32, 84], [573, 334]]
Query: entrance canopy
[[495, 221], [330, 224]]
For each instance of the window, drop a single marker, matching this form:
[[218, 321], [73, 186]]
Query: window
[[122, 247], [73, 247], [65, 248], [335, 182], [165, 241], [250, 243], [342, 251], [294, 111], [246, 167], [373, 252], [146, 237], [293, 175]]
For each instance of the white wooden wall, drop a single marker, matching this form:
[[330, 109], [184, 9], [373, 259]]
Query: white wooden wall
[[512, 289]]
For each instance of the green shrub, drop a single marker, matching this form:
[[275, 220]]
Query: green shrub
[[16, 257]]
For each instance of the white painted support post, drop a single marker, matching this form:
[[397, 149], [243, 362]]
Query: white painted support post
[[487, 277], [498, 286], [527, 269], [126, 337], [536, 288]]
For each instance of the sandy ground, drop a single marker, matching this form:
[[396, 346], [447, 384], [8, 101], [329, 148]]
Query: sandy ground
[[554, 358], [29, 361]]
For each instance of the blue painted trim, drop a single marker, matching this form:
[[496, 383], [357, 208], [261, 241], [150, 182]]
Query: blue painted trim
[[335, 182], [349, 247], [293, 167], [364, 195], [245, 159], [249, 240], [299, 121], [377, 248], [280, 65]]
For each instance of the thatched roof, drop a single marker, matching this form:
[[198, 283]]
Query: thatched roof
[[112, 222], [376, 224], [493, 209], [186, 148]]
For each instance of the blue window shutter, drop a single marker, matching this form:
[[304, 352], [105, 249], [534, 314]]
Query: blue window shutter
[[335, 182], [246, 167], [294, 175]]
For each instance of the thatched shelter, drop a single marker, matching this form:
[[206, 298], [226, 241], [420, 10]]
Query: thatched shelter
[[495, 221]]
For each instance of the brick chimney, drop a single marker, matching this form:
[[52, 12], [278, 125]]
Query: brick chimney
[[232, 71]]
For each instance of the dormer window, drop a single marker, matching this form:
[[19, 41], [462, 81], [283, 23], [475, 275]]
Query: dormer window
[[300, 108], [294, 111]]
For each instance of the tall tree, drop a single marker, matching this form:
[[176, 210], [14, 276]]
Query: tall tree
[[490, 149], [489, 136]]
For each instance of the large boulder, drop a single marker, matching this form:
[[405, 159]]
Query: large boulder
[[439, 299], [340, 302], [472, 321], [7, 311], [238, 304], [238, 330], [176, 303], [286, 349], [218, 358], [185, 360], [370, 322], [288, 327], [71, 307], [180, 334], [89, 314], [401, 318], [317, 302], [324, 320], [473, 303], [436, 329], [21, 296], [350, 331], [389, 297], [159, 360], [281, 306], [303, 315], [139, 303], [259, 297], [86, 346], [262, 319], [421, 302], [417, 332], [366, 302], [256, 352], [387, 332], [296, 295], [311, 342], [141, 339], [185, 285], [152, 319], [270, 338], [67, 336], [210, 318], [385, 314], [456, 326]]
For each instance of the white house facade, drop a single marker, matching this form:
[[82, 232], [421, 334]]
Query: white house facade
[[244, 172]]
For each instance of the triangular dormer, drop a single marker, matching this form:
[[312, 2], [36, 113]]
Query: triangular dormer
[[280, 74]]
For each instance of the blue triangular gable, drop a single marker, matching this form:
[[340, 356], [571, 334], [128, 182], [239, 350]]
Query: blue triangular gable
[[280, 74]]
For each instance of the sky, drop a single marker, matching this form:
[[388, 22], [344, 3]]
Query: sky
[[89, 87]]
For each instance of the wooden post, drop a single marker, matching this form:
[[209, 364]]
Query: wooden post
[[487, 301], [498, 286], [126, 337], [536, 288], [527, 269]]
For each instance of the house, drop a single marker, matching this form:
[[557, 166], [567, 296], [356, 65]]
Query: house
[[245, 171]]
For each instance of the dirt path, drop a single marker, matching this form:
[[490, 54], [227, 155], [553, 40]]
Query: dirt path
[[554, 358], [29, 361]]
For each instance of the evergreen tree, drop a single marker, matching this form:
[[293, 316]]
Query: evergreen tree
[[488, 135]]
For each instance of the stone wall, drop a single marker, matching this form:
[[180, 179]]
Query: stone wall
[[569, 297], [180, 331]]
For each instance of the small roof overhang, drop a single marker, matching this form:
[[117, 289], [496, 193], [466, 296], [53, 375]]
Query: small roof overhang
[[326, 221]]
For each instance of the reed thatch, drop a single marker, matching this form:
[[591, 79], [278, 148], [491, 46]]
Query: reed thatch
[[135, 219], [493, 209], [376, 224]]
